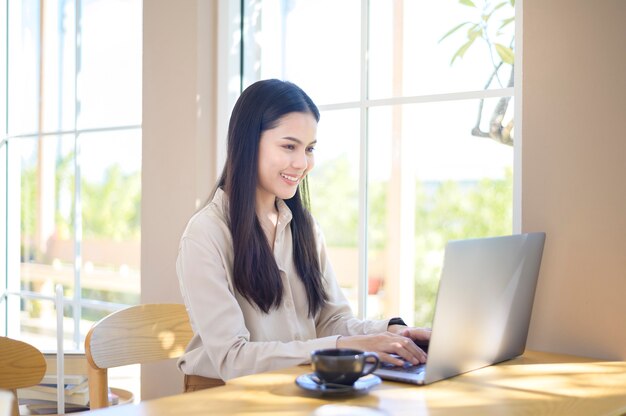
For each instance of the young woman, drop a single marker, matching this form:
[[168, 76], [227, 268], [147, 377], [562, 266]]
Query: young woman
[[252, 264]]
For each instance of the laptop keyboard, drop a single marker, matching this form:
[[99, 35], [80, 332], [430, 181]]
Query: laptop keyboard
[[406, 368]]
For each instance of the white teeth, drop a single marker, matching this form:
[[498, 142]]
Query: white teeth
[[291, 178]]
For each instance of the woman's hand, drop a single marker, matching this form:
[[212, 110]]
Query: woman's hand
[[398, 341], [419, 335]]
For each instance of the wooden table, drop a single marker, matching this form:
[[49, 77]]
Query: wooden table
[[534, 384]]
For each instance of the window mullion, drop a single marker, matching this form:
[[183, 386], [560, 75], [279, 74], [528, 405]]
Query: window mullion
[[519, 136], [78, 214], [415, 99], [363, 165]]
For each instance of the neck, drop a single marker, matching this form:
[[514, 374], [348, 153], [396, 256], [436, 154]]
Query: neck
[[265, 204]]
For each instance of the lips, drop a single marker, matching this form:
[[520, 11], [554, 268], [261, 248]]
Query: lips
[[290, 178]]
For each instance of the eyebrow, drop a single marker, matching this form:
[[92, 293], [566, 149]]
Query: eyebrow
[[293, 139]]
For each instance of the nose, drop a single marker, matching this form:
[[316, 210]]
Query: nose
[[300, 161]]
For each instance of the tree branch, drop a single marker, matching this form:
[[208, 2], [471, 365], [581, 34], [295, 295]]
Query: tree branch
[[497, 131]]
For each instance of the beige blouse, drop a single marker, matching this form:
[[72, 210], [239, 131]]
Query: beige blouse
[[232, 337]]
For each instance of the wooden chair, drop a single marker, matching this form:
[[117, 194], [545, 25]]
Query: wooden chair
[[21, 365], [135, 335]]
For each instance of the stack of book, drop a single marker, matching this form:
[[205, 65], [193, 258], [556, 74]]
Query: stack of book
[[42, 398]]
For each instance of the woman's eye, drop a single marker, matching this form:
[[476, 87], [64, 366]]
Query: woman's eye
[[310, 149], [289, 146]]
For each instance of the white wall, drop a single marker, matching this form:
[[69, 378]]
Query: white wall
[[178, 148], [574, 168]]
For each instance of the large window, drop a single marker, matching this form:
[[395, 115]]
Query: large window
[[415, 144], [70, 163]]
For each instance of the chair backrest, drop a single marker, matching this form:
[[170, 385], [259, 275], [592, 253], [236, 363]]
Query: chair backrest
[[21, 365], [136, 335]]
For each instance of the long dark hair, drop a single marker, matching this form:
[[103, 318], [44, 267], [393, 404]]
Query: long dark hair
[[255, 272]]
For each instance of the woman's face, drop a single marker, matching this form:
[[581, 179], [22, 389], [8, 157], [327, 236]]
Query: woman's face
[[285, 156]]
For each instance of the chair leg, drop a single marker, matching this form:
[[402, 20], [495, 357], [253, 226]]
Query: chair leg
[[15, 409], [98, 387]]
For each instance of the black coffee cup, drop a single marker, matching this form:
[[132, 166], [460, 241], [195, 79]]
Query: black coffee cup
[[343, 366]]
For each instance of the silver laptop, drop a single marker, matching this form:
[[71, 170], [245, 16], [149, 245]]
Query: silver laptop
[[483, 307]]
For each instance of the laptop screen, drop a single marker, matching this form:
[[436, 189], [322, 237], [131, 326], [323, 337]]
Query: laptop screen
[[484, 304]]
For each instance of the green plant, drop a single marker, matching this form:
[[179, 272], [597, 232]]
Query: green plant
[[492, 25]]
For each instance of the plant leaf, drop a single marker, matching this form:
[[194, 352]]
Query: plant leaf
[[474, 32], [469, 3], [487, 16], [505, 53], [498, 6], [507, 21], [454, 29], [462, 50]]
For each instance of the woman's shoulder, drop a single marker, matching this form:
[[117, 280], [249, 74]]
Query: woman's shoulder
[[210, 220]]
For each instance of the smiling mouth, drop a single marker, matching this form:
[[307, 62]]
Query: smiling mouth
[[290, 178]]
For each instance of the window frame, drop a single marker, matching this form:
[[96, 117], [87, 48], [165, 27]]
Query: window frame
[[365, 103], [12, 295]]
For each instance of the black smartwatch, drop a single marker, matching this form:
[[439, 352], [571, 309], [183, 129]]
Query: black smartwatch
[[396, 321]]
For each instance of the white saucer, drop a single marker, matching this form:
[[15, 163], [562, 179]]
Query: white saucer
[[311, 383], [347, 410]]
